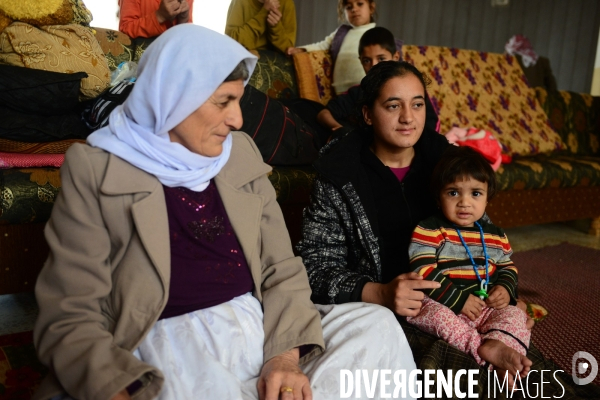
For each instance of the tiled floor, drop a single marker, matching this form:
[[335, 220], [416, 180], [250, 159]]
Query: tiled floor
[[18, 312]]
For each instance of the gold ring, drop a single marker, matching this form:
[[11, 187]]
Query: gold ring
[[286, 389]]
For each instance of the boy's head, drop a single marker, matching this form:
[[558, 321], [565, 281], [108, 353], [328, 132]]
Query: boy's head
[[376, 45], [463, 182]]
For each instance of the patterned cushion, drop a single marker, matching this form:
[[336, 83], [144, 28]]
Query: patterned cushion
[[81, 14], [117, 46], [274, 75], [39, 12], [58, 147], [574, 117], [58, 48], [554, 171], [485, 91], [314, 71]]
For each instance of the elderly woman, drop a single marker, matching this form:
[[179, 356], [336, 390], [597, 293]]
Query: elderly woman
[[171, 273]]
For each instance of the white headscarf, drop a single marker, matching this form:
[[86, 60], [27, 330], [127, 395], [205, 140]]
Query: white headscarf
[[178, 72]]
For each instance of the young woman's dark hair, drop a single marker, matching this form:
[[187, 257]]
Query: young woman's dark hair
[[378, 76], [461, 163]]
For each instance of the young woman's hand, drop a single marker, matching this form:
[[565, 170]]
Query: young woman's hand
[[473, 307], [282, 378], [274, 17], [184, 12], [294, 50], [498, 298], [403, 295]]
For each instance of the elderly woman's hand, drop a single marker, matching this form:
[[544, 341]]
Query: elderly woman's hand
[[168, 10], [402, 295], [282, 378]]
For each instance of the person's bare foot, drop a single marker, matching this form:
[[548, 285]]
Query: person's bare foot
[[503, 358]]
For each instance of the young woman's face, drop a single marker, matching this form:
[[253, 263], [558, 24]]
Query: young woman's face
[[463, 202], [358, 12], [204, 131], [398, 114]]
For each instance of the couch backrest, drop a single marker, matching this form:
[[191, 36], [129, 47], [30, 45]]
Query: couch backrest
[[486, 91], [575, 117]]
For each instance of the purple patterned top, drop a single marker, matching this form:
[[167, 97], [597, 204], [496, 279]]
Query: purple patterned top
[[208, 266]]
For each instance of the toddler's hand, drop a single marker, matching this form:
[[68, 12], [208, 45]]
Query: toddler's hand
[[473, 307], [499, 298]]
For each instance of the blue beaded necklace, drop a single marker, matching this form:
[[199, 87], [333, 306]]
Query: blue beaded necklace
[[483, 284]]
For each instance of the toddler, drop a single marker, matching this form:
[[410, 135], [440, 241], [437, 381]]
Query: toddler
[[474, 309], [357, 16]]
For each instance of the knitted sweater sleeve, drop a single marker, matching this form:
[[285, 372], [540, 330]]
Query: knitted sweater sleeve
[[283, 34], [322, 45], [325, 249], [507, 272], [246, 31], [423, 254]]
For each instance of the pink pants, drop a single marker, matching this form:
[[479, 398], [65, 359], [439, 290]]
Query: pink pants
[[506, 325]]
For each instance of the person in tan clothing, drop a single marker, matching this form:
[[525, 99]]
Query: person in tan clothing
[[259, 24], [171, 274]]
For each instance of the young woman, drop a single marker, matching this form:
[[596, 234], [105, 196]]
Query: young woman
[[371, 190]]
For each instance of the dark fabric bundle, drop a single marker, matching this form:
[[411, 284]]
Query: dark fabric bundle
[[282, 137], [33, 128], [39, 92], [40, 106]]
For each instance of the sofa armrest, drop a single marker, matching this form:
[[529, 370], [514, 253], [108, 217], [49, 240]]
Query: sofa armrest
[[314, 73]]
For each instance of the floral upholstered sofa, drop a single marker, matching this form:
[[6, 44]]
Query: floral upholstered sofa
[[553, 138]]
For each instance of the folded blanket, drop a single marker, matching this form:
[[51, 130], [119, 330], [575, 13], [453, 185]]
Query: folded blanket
[[12, 160]]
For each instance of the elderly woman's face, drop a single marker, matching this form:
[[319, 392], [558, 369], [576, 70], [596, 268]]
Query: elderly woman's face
[[398, 114], [204, 131]]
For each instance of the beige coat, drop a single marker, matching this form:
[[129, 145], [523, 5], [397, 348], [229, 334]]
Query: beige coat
[[106, 280]]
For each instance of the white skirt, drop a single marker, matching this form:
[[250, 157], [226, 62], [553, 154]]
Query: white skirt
[[217, 353]]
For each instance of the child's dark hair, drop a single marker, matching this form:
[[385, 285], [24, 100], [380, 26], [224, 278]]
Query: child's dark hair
[[342, 11], [378, 36], [462, 162]]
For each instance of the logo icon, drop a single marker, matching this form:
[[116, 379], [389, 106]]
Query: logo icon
[[590, 364]]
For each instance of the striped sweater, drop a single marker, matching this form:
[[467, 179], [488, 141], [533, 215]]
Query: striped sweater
[[437, 253]]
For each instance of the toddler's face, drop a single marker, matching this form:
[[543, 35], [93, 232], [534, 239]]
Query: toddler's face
[[358, 12], [463, 202]]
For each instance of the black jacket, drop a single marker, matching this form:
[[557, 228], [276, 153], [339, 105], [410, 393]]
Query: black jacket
[[342, 245]]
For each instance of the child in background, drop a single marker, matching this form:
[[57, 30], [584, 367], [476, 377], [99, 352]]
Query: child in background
[[343, 43], [376, 45], [258, 24], [473, 310], [150, 18]]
